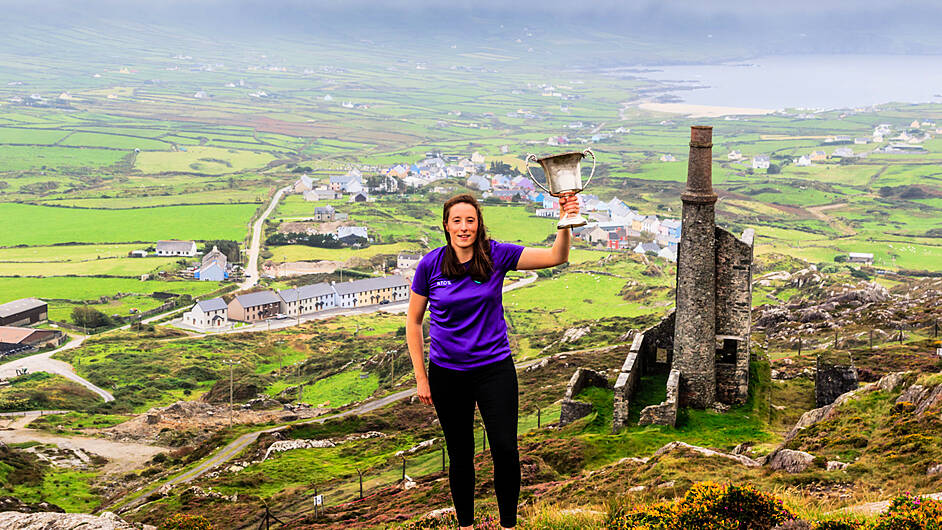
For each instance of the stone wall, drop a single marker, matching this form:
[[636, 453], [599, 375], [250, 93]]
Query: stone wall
[[627, 382], [833, 376], [734, 305], [657, 350], [571, 409], [666, 412]]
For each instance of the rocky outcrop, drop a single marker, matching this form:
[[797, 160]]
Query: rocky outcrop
[[67, 521], [12, 504], [831, 379], [290, 445], [789, 460], [675, 446], [822, 413]]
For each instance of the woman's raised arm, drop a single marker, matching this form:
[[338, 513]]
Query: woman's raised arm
[[541, 258]]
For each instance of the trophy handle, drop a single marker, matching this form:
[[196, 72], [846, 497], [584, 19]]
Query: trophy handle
[[526, 161], [592, 174]]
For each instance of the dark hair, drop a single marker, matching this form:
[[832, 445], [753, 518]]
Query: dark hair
[[480, 266]]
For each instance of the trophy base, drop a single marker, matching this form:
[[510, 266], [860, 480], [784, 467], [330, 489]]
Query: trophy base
[[571, 221]]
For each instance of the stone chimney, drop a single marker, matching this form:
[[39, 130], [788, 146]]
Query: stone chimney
[[695, 328]]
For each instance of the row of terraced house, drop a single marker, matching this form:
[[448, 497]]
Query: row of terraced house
[[307, 299]]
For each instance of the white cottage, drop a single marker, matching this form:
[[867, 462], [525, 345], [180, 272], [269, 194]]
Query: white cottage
[[208, 314]]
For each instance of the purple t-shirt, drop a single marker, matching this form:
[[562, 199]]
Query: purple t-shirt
[[467, 325]]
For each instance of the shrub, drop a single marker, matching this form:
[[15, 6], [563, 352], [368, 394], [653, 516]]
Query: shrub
[[181, 521], [709, 506], [910, 513]]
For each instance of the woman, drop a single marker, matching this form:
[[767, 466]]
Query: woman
[[469, 355]]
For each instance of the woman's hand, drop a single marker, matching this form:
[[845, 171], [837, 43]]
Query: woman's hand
[[424, 392], [568, 206]]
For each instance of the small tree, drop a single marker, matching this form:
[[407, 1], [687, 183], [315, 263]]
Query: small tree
[[89, 317]]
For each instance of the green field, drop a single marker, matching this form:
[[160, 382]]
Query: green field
[[208, 160], [39, 225]]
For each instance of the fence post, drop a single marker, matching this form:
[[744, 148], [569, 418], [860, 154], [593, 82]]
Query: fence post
[[538, 417], [403, 469], [900, 333], [360, 473], [799, 346], [443, 458], [835, 339], [484, 438], [871, 340]]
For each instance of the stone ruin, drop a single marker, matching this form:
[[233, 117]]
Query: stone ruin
[[703, 345], [834, 374]]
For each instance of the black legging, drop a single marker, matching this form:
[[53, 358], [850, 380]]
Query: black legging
[[494, 388]]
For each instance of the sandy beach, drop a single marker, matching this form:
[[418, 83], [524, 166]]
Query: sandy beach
[[702, 111]]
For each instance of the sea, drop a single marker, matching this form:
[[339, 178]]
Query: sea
[[817, 82]]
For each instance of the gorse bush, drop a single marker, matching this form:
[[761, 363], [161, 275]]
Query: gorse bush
[[910, 513], [181, 521], [707, 506]]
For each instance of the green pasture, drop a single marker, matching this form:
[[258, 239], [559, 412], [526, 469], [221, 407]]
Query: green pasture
[[130, 267], [77, 288], [42, 225], [113, 141], [513, 224], [213, 196], [11, 135], [22, 158], [201, 159], [66, 252]]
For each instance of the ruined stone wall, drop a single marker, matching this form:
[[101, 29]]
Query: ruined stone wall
[[833, 377], [666, 412], [627, 382], [572, 409], [727, 383], [657, 350], [694, 329], [734, 304]]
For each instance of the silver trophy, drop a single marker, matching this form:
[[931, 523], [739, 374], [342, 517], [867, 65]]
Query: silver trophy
[[564, 177]]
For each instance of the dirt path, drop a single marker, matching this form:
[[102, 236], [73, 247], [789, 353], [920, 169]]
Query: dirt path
[[874, 508], [122, 456], [251, 270], [818, 212]]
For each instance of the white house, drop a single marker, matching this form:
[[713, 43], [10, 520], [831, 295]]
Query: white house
[[803, 161], [734, 155], [405, 261], [760, 162], [668, 253], [208, 314], [643, 248], [303, 184], [344, 231], [174, 247]]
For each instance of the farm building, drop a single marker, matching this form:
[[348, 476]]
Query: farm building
[[20, 339], [23, 312], [174, 247], [207, 314], [254, 307], [860, 257]]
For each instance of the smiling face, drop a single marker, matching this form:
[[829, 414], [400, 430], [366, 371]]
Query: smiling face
[[462, 225]]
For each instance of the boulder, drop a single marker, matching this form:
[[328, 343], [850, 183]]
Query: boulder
[[934, 470], [673, 446], [834, 465], [63, 521], [789, 460]]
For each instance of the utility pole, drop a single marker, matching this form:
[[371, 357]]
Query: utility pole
[[403, 468], [231, 363], [360, 473]]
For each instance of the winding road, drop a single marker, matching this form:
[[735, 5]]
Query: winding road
[[43, 362], [251, 270]]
